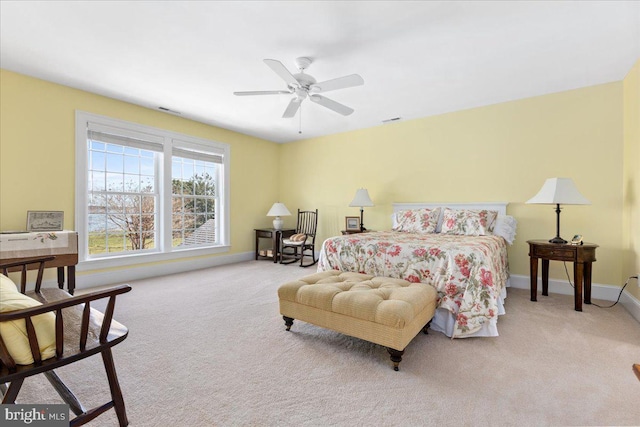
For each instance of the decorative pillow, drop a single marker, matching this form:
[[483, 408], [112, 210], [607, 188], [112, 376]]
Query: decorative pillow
[[506, 227], [468, 222], [14, 332], [417, 220], [298, 238]]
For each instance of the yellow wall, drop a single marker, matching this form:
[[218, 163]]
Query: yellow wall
[[502, 152], [631, 177], [37, 151]]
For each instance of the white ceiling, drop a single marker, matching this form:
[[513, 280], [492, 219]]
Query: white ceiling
[[417, 58]]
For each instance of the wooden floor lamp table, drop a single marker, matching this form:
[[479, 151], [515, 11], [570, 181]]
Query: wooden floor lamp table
[[582, 256]]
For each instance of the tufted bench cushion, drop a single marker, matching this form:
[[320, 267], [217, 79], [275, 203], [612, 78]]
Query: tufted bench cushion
[[382, 310]]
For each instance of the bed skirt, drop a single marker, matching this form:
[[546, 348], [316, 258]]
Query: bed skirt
[[444, 321]]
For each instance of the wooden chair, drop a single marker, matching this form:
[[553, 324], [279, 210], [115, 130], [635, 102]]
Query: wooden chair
[[303, 242], [80, 332]]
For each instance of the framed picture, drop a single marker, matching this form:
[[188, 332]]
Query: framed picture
[[352, 223], [45, 221]]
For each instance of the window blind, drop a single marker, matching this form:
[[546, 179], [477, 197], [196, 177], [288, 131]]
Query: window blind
[[197, 155], [97, 132]]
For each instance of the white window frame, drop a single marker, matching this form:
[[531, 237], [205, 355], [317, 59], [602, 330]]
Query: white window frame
[[168, 139]]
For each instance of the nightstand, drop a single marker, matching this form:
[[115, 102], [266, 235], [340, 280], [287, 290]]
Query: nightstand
[[275, 236], [345, 232], [582, 256]]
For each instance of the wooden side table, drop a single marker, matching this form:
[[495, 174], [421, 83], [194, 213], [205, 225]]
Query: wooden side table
[[582, 256], [275, 236]]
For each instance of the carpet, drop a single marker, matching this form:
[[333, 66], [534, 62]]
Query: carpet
[[209, 348]]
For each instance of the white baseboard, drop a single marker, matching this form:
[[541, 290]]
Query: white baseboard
[[598, 291], [90, 280], [631, 303]]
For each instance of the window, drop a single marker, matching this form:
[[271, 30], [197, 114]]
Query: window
[[193, 198], [122, 195], [148, 193]]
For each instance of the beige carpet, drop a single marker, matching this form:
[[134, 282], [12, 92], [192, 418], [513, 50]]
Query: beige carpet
[[209, 348]]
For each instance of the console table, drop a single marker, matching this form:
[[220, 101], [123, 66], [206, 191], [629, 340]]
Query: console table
[[61, 244], [582, 256]]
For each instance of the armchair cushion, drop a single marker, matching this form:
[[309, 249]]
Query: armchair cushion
[[298, 238], [14, 332]]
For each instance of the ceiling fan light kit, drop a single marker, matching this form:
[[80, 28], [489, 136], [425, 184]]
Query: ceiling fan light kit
[[305, 86]]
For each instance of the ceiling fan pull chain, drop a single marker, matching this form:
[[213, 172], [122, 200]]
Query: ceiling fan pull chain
[[300, 126]]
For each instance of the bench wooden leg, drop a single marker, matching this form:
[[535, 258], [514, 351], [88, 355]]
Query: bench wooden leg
[[425, 330], [396, 357], [288, 322]]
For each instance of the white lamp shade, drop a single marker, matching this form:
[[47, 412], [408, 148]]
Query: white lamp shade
[[361, 199], [278, 209], [559, 191]]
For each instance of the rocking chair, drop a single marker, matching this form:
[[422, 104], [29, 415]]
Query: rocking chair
[[303, 242], [58, 329]]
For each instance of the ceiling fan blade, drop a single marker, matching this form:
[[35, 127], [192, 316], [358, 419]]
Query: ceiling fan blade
[[282, 71], [262, 92], [292, 108], [339, 83], [331, 104]]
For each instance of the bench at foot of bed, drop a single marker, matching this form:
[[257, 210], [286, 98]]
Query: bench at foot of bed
[[382, 310]]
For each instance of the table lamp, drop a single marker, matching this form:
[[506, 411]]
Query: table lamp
[[558, 191], [361, 200], [278, 209]]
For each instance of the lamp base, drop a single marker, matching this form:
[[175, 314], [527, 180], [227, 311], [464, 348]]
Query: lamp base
[[558, 240], [277, 223]]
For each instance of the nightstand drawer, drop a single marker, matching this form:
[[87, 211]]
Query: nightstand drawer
[[559, 254], [264, 233]]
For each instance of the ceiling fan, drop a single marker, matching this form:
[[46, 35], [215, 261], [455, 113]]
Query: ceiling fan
[[305, 86]]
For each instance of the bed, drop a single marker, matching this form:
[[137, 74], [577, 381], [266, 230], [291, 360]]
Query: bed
[[460, 249]]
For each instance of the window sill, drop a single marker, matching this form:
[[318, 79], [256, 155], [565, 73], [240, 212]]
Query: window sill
[[138, 259]]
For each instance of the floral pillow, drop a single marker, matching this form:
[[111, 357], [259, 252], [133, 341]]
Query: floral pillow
[[417, 220], [468, 222]]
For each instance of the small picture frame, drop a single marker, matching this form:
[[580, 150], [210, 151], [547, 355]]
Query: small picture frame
[[45, 221], [352, 223]]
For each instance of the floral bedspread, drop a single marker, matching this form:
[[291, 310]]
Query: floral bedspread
[[469, 272]]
